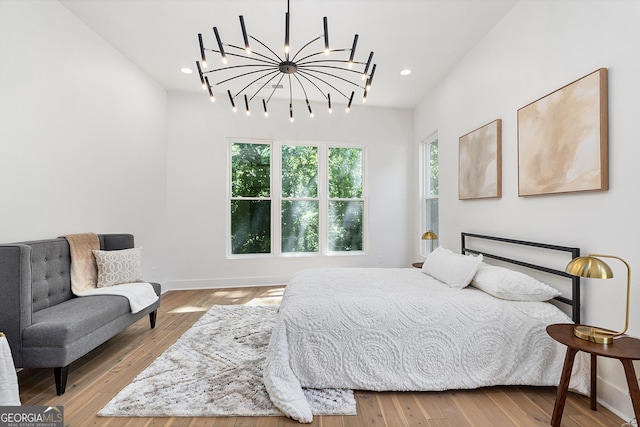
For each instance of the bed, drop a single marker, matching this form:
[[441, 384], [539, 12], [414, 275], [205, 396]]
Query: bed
[[401, 329]]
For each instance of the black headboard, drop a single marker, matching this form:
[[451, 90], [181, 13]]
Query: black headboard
[[574, 301]]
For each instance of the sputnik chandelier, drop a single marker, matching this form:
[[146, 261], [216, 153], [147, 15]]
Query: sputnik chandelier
[[304, 70]]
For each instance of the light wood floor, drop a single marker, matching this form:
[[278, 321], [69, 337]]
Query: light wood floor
[[100, 375]]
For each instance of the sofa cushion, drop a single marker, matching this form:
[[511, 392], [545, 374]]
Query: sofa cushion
[[64, 323]]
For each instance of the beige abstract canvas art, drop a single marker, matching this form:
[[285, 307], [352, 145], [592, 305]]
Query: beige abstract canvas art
[[562, 139], [480, 162]]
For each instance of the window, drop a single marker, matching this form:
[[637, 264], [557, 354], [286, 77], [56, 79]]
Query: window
[[309, 201], [430, 186], [346, 203], [300, 203], [250, 198]]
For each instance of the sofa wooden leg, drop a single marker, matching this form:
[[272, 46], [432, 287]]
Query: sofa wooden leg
[[152, 318], [60, 375]]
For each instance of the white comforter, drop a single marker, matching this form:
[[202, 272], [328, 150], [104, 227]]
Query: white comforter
[[400, 329]]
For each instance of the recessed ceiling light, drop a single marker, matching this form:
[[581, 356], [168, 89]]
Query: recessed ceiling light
[[405, 72], [186, 70]]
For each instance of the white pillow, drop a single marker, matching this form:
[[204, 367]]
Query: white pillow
[[511, 285], [453, 269], [118, 267]]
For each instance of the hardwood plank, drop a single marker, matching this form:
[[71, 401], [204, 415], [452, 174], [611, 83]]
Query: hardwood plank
[[97, 377], [413, 412], [369, 411]]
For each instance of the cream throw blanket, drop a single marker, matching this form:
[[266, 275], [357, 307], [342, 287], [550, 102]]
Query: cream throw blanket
[[84, 274], [140, 295], [84, 270]]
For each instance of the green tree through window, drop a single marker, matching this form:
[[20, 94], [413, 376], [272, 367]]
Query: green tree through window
[[300, 204], [250, 198], [346, 205], [303, 206]]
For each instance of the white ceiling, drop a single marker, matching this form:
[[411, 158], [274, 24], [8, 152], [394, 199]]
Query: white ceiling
[[427, 36]]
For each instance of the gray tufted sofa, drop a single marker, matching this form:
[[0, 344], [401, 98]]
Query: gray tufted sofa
[[46, 325]]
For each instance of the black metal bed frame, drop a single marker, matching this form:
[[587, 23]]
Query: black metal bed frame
[[574, 301]]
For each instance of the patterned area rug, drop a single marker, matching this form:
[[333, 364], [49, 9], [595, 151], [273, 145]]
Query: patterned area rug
[[215, 369]]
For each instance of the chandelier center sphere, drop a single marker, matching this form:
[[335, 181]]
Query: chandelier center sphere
[[288, 67]]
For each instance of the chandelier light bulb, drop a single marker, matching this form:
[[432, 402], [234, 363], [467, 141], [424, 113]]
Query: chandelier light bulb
[[204, 64]]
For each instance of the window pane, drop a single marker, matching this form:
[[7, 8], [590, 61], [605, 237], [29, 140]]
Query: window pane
[[250, 226], [432, 215], [300, 226], [345, 225], [250, 170], [433, 169], [345, 173], [299, 171]]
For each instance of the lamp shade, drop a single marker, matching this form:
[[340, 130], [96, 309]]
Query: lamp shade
[[589, 266], [429, 235]]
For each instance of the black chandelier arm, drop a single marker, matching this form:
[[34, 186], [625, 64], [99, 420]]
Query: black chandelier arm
[[302, 86], [268, 48], [252, 82], [275, 87], [270, 62], [323, 54], [231, 67], [275, 74], [317, 87], [247, 56], [304, 74], [303, 47], [340, 61], [312, 70], [243, 75], [333, 67]]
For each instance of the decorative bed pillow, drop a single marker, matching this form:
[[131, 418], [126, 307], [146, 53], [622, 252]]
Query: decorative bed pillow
[[511, 285], [118, 267], [453, 269]]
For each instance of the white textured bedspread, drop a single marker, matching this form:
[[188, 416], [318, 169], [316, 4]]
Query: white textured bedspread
[[400, 329]]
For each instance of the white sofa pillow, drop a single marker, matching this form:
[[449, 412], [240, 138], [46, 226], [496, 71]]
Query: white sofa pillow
[[453, 269], [118, 267], [511, 285]]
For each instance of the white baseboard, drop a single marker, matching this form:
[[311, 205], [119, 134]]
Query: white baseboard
[[233, 282], [616, 400]]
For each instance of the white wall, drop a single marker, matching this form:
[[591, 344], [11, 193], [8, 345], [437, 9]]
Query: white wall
[[82, 134], [197, 182], [537, 48]]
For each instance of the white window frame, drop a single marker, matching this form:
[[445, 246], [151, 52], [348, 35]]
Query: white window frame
[[277, 199]]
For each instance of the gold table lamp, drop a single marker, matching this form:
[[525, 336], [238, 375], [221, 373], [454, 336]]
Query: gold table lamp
[[592, 267], [430, 235]]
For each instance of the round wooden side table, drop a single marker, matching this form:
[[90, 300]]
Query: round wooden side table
[[625, 349]]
